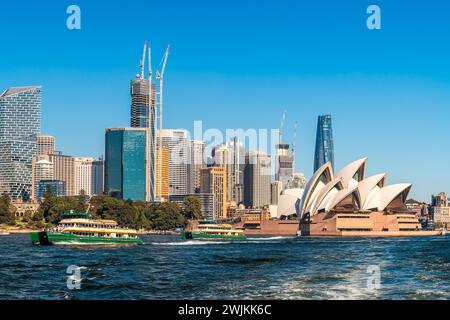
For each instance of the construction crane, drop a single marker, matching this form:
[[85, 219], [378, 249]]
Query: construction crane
[[142, 64], [153, 124], [160, 78]]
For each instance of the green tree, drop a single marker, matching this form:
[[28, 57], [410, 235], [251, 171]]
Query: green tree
[[6, 211], [192, 208]]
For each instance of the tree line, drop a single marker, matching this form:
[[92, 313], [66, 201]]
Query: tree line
[[130, 214]]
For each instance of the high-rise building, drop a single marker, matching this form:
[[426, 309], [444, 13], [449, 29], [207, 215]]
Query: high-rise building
[[232, 156], [98, 177], [144, 114], [285, 164], [42, 170], [127, 165], [64, 170], [197, 163], [45, 145], [56, 187], [440, 209], [20, 123], [214, 181], [177, 143], [162, 181], [276, 189], [257, 180], [83, 175], [324, 142]]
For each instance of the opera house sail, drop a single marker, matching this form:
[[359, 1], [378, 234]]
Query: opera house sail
[[350, 204]]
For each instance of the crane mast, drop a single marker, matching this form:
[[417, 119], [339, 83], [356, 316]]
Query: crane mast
[[160, 77]]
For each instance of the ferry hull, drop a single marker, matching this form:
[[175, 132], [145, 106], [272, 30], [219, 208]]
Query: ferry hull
[[56, 238], [206, 236]]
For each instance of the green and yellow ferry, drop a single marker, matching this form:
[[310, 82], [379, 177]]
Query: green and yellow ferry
[[80, 229], [210, 230]]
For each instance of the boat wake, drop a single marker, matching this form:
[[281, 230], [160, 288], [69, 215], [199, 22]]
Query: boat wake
[[269, 238], [190, 243]]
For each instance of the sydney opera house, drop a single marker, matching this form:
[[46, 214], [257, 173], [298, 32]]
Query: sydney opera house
[[350, 204]]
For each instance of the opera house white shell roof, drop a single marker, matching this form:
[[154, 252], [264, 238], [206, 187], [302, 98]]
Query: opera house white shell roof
[[350, 191]]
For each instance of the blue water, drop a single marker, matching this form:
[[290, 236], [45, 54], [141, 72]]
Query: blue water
[[274, 268]]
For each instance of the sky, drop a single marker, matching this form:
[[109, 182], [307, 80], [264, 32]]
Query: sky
[[239, 64]]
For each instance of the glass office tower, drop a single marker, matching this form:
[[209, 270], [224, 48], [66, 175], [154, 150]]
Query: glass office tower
[[324, 142], [20, 124], [126, 166]]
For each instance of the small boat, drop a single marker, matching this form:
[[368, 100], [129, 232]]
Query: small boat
[[210, 230], [80, 229], [4, 233]]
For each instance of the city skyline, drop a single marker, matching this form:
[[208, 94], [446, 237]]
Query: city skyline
[[394, 107]]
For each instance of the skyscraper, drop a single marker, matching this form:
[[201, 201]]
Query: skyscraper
[[83, 175], [214, 181], [45, 145], [197, 163], [324, 142], [127, 166], [20, 123], [144, 114], [257, 179], [98, 177], [42, 170], [64, 170], [162, 181], [232, 156], [285, 164], [177, 143]]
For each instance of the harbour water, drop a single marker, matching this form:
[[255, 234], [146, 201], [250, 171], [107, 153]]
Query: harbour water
[[166, 267]]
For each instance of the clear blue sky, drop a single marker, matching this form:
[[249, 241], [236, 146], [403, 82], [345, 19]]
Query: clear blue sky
[[238, 64]]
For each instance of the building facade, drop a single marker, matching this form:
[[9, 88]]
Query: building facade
[[162, 181], [127, 165], [232, 156], [143, 115], [177, 144], [45, 145], [83, 175], [440, 208], [42, 170], [20, 124], [214, 181], [98, 177], [64, 170], [284, 164], [56, 187], [197, 163], [257, 180], [324, 143]]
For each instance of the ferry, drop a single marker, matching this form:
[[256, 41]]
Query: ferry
[[210, 230], [80, 229]]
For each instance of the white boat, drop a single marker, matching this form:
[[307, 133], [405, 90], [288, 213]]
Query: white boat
[[4, 233]]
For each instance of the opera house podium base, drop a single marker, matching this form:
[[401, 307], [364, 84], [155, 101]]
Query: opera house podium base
[[373, 224]]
